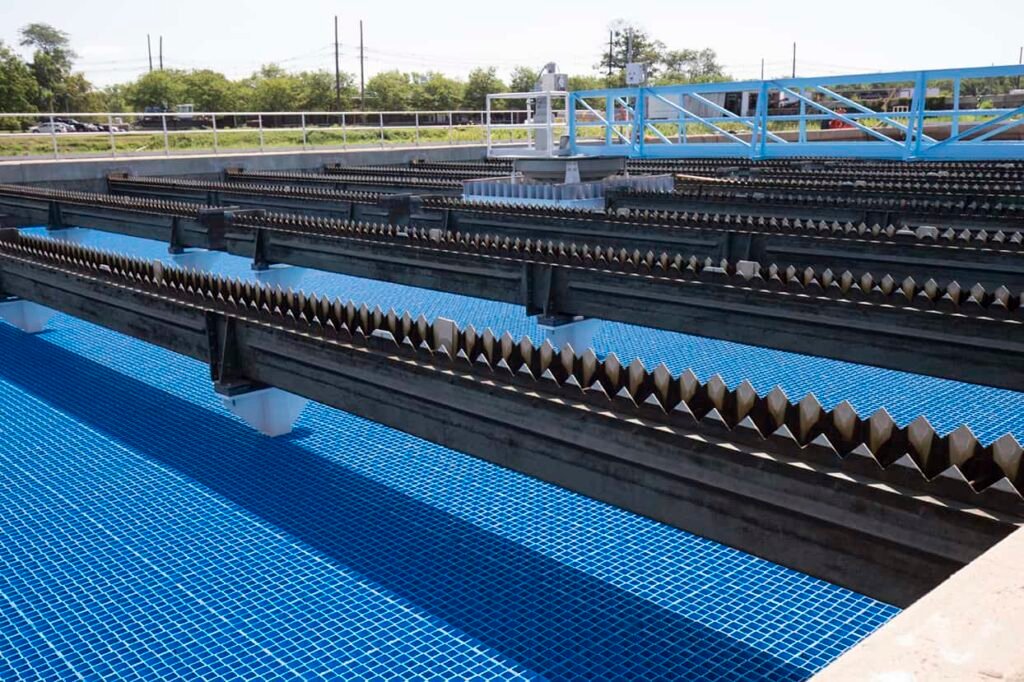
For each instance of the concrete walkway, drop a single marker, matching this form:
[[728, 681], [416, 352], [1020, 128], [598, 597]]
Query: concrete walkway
[[969, 628], [89, 173]]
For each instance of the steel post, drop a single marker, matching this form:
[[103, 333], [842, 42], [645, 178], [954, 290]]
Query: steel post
[[167, 145], [53, 138]]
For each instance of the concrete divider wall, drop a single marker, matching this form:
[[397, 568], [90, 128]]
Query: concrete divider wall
[[970, 627], [90, 174]]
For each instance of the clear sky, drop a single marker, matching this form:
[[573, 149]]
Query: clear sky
[[236, 37]]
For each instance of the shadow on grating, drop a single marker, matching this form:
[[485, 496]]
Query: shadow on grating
[[550, 618]]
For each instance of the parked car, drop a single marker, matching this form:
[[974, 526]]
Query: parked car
[[77, 126], [54, 127]]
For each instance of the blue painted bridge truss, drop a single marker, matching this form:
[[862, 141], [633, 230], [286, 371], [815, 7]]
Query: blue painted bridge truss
[[913, 115]]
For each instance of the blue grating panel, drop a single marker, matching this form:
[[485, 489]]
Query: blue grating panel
[[990, 412], [145, 533]]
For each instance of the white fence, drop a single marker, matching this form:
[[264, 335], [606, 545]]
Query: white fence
[[117, 134], [544, 122]]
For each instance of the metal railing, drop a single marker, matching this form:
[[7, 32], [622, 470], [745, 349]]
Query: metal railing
[[901, 115], [119, 134], [544, 122]]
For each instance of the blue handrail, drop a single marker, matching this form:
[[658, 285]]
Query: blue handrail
[[649, 115]]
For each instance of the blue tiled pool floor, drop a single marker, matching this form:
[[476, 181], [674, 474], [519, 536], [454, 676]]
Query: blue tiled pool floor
[[147, 534]]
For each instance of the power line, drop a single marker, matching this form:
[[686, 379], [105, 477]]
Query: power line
[[337, 68]]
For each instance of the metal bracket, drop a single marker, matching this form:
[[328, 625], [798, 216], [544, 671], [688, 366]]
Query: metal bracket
[[400, 207], [611, 198], [216, 220], [259, 250], [176, 243], [55, 217], [736, 246], [225, 360], [883, 218], [542, 286], [213, 198]]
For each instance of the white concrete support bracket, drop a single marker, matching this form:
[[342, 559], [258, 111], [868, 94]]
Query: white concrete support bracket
[[195, 259], [27, 316], [577, 331], [277, 275], [74, 235], [270, 411]]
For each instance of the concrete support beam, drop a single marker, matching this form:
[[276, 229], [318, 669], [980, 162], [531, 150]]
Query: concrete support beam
[[75, 235], [284, 276], [91, 173], [577, 331], [27, 316], [270, 411], [195, 259], [968, 628]]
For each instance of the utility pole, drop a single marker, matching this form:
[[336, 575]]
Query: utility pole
[[337, 68], [794, 59], [149, 49], [161, 53], [362, 69]]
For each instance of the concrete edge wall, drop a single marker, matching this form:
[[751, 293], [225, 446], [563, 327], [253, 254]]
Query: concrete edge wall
[[90, 174], [971, 627]]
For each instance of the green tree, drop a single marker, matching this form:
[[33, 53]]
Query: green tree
[[433, 91], [646, 50], [523, 79], [158, 89], [389, 91], [79, 94], [316, 92], [271, 89], [18, 88], [691, 66], [209, 90], [585, 82], [113, 98], [480, 83], [52, 60]]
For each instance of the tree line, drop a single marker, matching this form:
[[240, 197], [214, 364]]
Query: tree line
[[48, 83]]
